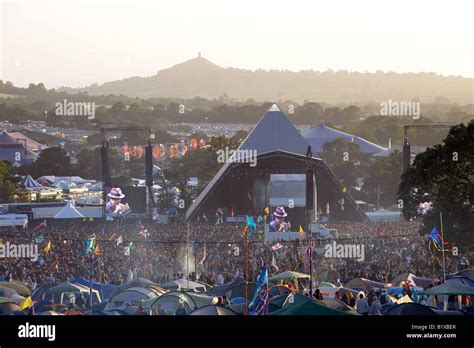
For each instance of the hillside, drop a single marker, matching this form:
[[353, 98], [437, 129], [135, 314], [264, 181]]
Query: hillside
[[200, 77]]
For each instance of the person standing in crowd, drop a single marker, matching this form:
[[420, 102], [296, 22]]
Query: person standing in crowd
[[181, 310], [161, 310], [362, 305], [375, 307]]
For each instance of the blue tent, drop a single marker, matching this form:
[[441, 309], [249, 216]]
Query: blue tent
[[105, 290], [29, 182], [321, 134]]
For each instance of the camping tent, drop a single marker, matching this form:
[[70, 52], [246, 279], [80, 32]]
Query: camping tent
[[309, 308], [410, 309], [181, 284], [451, 287], [408, 276], [105, 290], [213, 310], [68, 212], [171, 300], [289, 275], [58, 293], [363, 284], [131, 297], [232, 290]]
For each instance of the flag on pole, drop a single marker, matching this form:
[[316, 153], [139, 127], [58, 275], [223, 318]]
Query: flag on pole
[[128, 249], [39, 239], [341, 203], [309, 250], [267, 211], [327, 208], [26, 303], [119, 240], [251, 225], [274, 264], [262, 279], [301, 232], [204, 256], [111, 238], [437, 240], [42, 224], [90, 245], [47, 248]]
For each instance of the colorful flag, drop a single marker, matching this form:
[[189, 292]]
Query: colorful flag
[[438, 241], [26, 303], [97, 250], [111, 238], [344, 189], [262, 279], [47, 248], [90, 245], [341, 203], [267, 211], [128, 249], [250, 224], [309, 250], [42, 224], [39, 239], [301, 232]]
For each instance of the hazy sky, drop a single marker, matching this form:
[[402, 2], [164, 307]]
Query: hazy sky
[[78, 43]]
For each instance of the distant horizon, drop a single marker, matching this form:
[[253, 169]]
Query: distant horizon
[[81, 43]]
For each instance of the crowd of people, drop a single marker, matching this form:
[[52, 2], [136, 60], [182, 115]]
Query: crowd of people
[[215, 254]]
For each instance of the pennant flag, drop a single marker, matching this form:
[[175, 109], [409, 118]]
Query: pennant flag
[[262, 279], [344, 189], [47, 248], [260, 218], [327, 208], [119, 240], [274, 264], [112, 236], [267, 211], [42, 224], [437, 240], [301, 232], [26, 303], [97, 250]]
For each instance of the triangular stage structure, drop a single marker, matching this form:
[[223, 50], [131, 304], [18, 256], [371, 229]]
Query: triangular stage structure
[[280, 149]]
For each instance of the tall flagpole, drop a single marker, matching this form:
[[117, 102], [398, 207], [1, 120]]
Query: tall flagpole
[[442, 243], [246, 271], [187, 254]]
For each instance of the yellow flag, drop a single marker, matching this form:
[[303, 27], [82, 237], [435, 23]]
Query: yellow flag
[[267, 211], [344, 189], [301, 231], [47, 248], [26, 303]]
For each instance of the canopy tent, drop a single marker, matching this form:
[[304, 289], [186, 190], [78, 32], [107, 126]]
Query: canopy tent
[[410, 309], [289, 275], [309, 308], [181, 284], [68, 212], [363, 284], [463, 280], [451, 287], [318, 136], [29, 182], [213, 310]]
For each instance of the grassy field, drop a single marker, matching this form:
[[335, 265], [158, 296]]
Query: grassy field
[[6, 96]]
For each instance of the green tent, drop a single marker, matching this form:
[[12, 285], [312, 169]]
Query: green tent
[[450, 288], [289, 275], [309, 308], [20, 288]]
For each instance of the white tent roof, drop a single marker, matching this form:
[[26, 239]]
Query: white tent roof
[[68, 212]]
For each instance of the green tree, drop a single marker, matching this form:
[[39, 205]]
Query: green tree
[[444, 175], [8, 183], [51, 161]]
